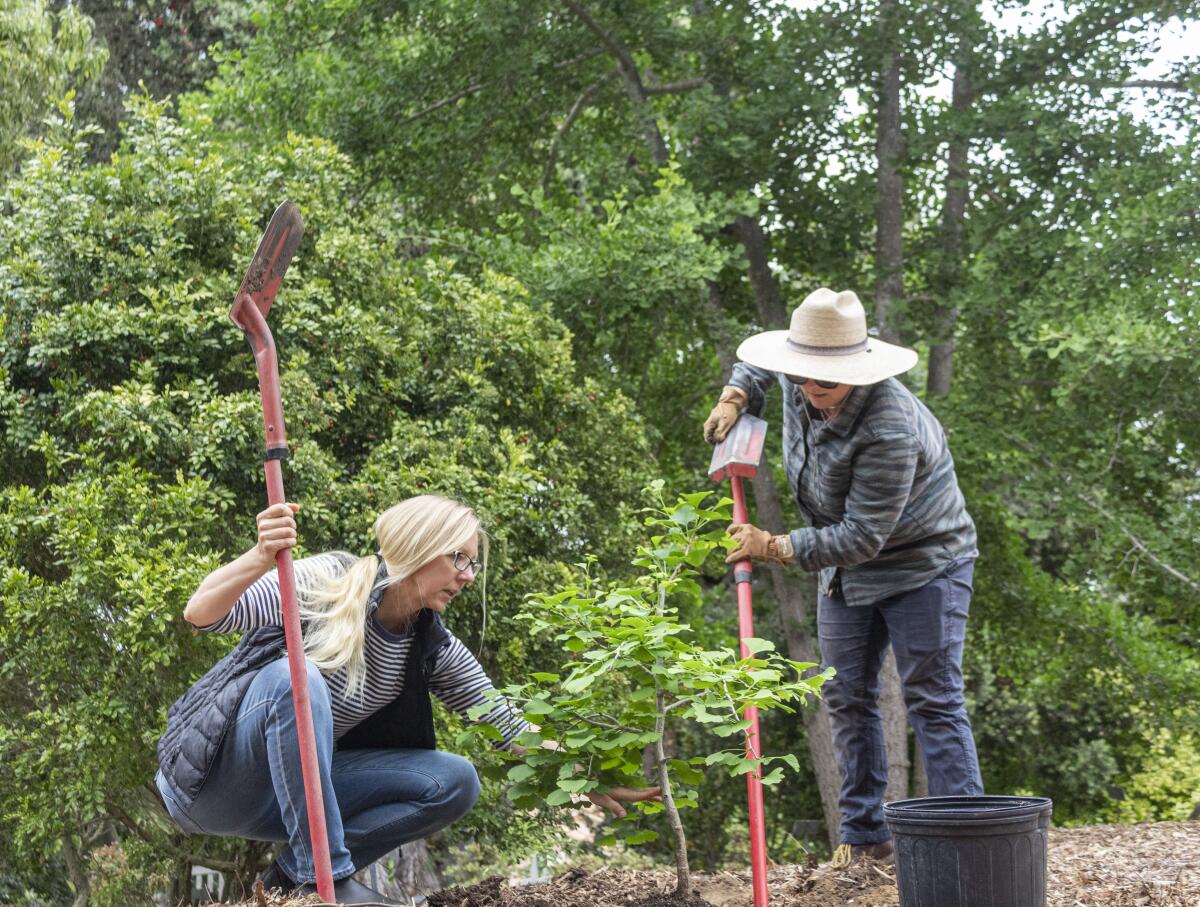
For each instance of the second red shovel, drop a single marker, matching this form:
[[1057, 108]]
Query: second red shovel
[[737, 457]]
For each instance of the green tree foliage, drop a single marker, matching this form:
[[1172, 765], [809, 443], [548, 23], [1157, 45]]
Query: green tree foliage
[[638, 671], [132, 437], [42, 54], [1068, 410], [1065, 282], [166, 47]]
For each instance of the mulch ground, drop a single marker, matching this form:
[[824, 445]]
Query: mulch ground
[[1154, 865]]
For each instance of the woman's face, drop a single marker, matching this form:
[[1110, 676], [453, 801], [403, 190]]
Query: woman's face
[[439, 580], [825, 397]]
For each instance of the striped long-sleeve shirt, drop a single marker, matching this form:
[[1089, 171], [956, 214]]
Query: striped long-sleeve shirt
[[876, 485], [457, 678]]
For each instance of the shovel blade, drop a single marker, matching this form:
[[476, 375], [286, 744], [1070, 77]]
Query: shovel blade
[[270, 263], [741, 451]]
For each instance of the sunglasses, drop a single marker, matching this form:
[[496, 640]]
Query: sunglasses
[[464, 562], [797, 380]]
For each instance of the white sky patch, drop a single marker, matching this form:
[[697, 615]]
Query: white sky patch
[[1177, 41]]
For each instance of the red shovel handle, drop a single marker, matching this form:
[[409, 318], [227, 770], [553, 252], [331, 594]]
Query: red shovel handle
[[758, 833], [251, 320], [250, 307]]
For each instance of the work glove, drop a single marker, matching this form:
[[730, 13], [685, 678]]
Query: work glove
[[759, 545], [730, 405]]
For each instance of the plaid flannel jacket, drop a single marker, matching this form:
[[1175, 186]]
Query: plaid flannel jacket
[[876, 486]]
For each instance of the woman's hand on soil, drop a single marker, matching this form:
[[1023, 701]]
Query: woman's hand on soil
[[276, 531], [612, 798]]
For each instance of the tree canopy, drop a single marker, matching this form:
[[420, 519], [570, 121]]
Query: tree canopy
[[537, 232]]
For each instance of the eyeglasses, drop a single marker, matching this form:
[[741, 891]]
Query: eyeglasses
[[464, 562], [828, 385]]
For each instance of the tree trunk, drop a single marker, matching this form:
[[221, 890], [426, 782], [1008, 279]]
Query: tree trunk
[[77, 872], [771, 311], [895, 729], [180, 892], [889, 209], [954, 209], [889, 290], [247, 861], [683, 873]]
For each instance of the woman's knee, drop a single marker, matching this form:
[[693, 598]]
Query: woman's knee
[[275, 681], [460, 784], [842, 696]]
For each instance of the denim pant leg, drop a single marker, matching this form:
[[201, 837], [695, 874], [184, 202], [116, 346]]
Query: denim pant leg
[[927, 627], [853, 641], [391, 797], [256, 788]]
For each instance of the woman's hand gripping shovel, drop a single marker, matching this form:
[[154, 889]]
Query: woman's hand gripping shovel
[[738, 457], [249, 313]]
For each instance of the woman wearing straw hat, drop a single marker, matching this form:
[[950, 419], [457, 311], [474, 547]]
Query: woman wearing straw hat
[[889, 534]]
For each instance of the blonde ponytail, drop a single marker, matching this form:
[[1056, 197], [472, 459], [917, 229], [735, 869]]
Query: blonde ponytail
[[333, 602]]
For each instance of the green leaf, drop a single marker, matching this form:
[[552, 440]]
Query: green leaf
[[642, 837], [577, 785], [755, 645], [521, 772]]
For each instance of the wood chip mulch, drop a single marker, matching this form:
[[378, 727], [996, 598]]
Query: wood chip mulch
[[1152, 865]]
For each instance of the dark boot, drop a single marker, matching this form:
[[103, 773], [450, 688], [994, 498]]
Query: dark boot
[[345, 891], [349, 891], [273, 877]]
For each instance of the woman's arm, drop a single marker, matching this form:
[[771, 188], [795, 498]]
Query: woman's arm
[[220, 590], [754, 382]]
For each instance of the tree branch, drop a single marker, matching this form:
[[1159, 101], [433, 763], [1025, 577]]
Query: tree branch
[[437, 105], [1104, 512], [577, 108], [1139, 544], [676, 87], [633, 83], [480, 86], [1078, 34], [1166, 84]]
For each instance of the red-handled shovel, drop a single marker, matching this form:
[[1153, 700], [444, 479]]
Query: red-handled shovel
[[738, 457], [249, 313]]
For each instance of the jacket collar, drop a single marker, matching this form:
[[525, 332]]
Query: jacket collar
[[852, 408]]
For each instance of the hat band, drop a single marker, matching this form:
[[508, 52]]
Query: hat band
[[825, 350]]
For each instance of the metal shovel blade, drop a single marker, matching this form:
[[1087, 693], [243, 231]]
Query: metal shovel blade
[[270, 262], [741, 451]]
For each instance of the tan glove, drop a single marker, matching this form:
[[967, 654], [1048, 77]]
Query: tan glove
[[759, 545], [729, 406]]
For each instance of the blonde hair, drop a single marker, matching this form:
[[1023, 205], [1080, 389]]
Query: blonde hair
[[408, 535]]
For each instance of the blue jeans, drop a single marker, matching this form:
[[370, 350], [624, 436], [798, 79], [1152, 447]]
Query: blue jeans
[[926, 628], [375, 800]]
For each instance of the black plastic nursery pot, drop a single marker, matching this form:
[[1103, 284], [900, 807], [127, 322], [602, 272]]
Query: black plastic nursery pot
[[970, 851]]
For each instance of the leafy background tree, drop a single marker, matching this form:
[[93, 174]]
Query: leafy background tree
[[538, 232], [43, 55]]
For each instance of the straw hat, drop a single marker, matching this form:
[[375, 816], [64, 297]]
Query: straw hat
[[828, 341]]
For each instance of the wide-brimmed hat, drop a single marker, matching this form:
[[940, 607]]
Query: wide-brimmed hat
[[828, 341]]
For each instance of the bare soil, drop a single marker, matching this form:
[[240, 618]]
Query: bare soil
[[1153, 865]]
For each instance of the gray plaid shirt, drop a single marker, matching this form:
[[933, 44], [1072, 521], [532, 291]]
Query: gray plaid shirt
[[876, 485]]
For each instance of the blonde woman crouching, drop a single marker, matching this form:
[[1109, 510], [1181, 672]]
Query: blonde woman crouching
[[375, 646]]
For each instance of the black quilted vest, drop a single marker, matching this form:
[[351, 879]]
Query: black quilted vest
[[197, 722]]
